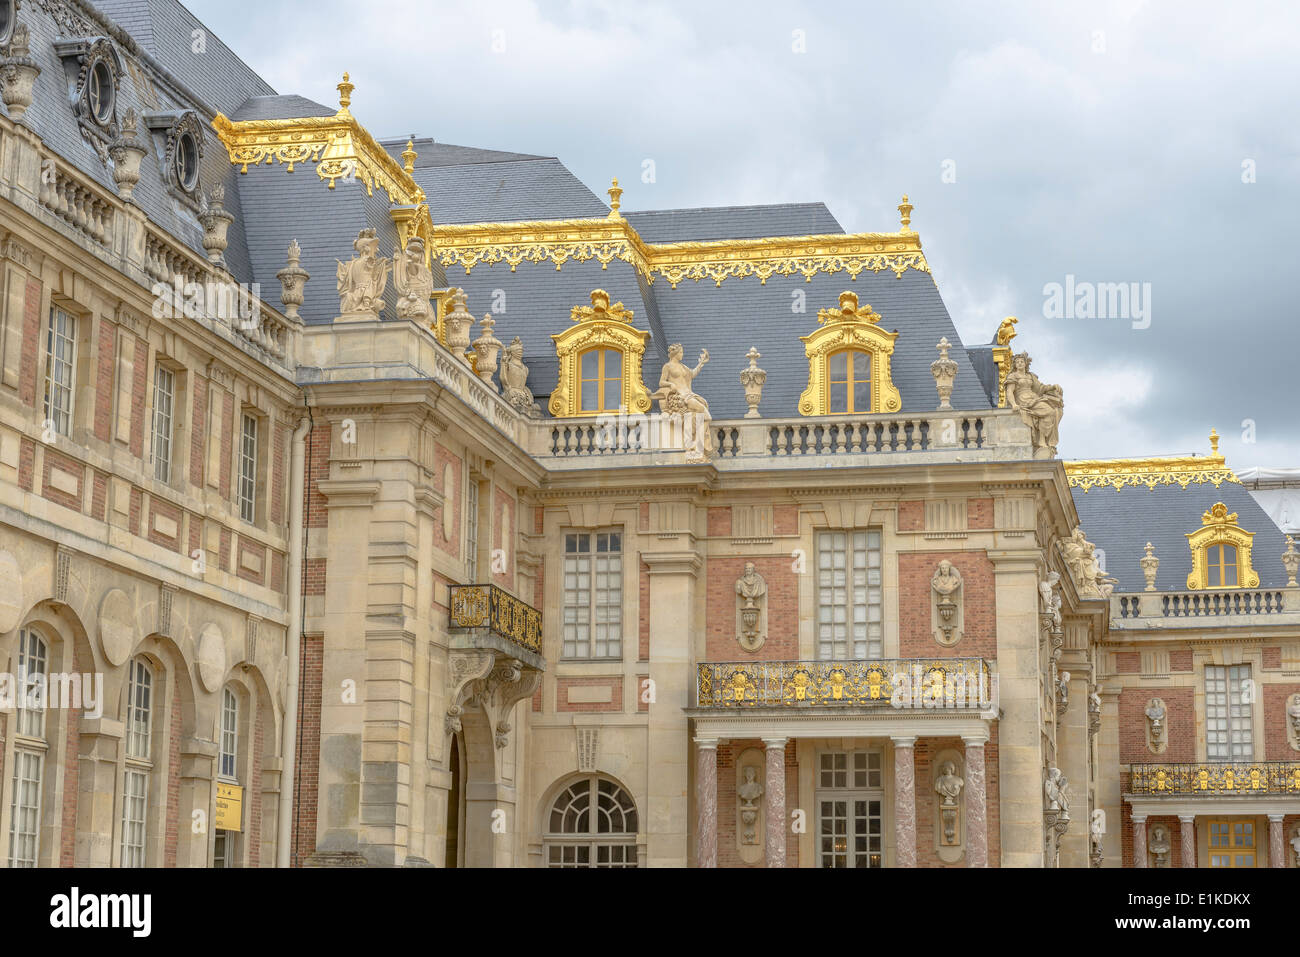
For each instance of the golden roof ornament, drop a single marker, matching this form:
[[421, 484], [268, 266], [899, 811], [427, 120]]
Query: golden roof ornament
[[600, 309], [345, 93], [615, 191], [1006, 331], [905, 215], [1214, 442], [408, 156], [848, 311]]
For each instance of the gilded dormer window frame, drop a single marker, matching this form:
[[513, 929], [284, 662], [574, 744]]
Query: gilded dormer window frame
[[603, 326], [1219, 527], [849, 327]]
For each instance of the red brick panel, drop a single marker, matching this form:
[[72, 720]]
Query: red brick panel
[[26, 463], [1276, 745], [135, 509], [223, 555], [911, 516], [277, 560], [643, 517], [105, 364], [538, 517], [452, 499], [979, 605], [31, 343], [198, 431], [196, 535], [227, 441], [979, 513], [642, 698], [719, 522], [613, 682], [1272, 657], [781, 602], [318, 470], [251, 548], [68, 466], [278, 436], [314, 578], [1180, 721], [173, 780], [785, 519], [99, 497], [1128, 662], [1180, 660], [307, 772], [138, 385], [167, 510], [643, 614]]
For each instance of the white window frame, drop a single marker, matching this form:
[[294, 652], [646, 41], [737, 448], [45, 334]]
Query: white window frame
[[850, 594], [619, 847], [1227, 702], [248, 449], [593, 595], [60, 369], [850, 777], [471, 530], [229, 744], [164, 403], [135, 808], [136, 776], [29, 753]]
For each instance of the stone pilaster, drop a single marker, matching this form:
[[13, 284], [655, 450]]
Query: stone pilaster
[[977, 835], [1276, 843], [1139, 841], [1187, 834], [100, 740], [706, 802], [774, 801], [905, 802]]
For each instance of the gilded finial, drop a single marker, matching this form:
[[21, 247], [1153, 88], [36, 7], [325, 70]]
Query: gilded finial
[[615, 191], [1214, 442], [1006, 331], [345, 92], [408, 156], [905, 215]]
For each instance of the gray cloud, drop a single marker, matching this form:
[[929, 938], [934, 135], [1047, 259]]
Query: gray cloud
[[1102, 141]]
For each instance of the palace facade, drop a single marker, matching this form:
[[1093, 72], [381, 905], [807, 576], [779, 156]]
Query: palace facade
[[392, 503]]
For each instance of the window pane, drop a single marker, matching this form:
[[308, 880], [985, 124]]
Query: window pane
[[839, 367], [613, 394], [590, 401], [861, 366], [861, 395], [590, 364]]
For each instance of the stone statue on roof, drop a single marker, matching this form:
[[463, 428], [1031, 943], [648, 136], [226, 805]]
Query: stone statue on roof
[[1040, 406], [414, 281], [362, 281], [677, 398], [514, 380]]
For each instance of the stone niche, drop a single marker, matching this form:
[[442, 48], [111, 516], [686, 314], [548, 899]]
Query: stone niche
[[1156, 714], [947, 620], [949, 808], [751, 827]]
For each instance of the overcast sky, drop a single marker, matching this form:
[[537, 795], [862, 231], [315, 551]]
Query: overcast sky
[[1109, 142]]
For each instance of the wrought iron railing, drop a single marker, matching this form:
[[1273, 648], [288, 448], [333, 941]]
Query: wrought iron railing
[[900, 682], [493, 608], [1179, 780]]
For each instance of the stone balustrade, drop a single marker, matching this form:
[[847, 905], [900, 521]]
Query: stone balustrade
[[1183, 609], [86, 210]]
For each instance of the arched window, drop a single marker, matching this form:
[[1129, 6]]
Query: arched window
[[849, 376], [601, 380], [229, 734], [592, 823], [1221, 552], [1221, 564], [139, 761], [30, 749]]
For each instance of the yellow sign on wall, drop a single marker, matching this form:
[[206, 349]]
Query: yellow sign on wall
[[230, 808]]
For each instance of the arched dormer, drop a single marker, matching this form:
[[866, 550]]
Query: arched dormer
[[600, 362], [848, 363], [1221, 552]]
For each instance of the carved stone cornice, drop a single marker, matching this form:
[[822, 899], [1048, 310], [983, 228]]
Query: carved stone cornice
[[349, 493], [673, 563]]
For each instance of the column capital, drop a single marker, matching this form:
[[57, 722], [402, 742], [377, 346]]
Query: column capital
[[1276, 818], [772, 743], [976, 740], [706, 744], [1187, 818], [1139, 818], [903, 741]]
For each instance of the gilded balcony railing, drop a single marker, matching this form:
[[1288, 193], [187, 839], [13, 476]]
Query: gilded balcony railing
[[1180, 780], [487, 606], [882, 682]]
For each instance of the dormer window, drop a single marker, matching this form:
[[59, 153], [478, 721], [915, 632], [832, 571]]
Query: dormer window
[[600, 361], [101, 93], [93, 70], [849, 374], [187, 162], [179, 140], [1221, 552], [602, 381], [848, 363]]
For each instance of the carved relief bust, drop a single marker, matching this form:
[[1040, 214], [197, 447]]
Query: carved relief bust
[[1159, 846], [947, 604], [1293, 720], [751, 589], [1156, 712]]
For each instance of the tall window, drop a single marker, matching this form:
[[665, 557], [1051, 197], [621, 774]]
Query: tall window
[[850, 796], [592, 823], [471, 529], [229, 734], [1232, 843], [29, 752], [164, 395], [849, 374], [60, 350], [135, 783], [248, 469], [1229, 731], [1221, 565], [601, 380], [849, 618], [593, 595]]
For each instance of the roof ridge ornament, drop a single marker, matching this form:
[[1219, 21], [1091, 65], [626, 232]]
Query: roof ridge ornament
[[905, 215], [409, 156], [615, 192], [849, 311], [345, 93], [600, 309]]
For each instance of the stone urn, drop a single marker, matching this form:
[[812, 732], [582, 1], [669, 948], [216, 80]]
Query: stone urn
[[487, 348], [215, 220], [944, 371], [753, 378], [18, 72], [457, 323], [292, 280], [127, 152], [749, 619]]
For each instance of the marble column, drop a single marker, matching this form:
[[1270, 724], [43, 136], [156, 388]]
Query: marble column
[[1187, 831], [904, 802], [1276, 844], [977, 837], [1139, 841], [706, 802], [774, 801]]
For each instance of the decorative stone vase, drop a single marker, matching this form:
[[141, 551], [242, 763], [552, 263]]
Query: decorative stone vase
[[487, 348], [18, 72], [753, 379], [457, 323], [749, 620], [127, 152], [215, 220], [292, 280], [947, 609], [1291, 562], [944, 371], [1149, 565]]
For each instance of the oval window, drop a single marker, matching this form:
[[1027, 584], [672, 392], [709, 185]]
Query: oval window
[[187, 162], [101, 93], [6, 22]]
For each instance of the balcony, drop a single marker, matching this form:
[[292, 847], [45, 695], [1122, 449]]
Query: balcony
[[1228, 607], [1262, 778], [885, 683], [488, 617]]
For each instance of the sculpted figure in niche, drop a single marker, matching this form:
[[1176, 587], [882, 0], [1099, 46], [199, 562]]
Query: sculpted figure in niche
[[749, 792], [946, 582], [1159, 845], [1097, 830], [1040, 406], [1156, 712], [751, 588], [362, 281], [948, 785], [1056, 790], [676, 397], [1051, 599], [414, 281]]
